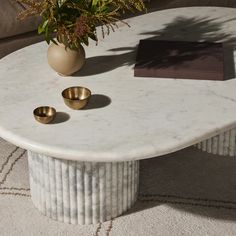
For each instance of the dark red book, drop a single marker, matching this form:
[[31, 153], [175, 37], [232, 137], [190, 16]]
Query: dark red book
[[184, 60]]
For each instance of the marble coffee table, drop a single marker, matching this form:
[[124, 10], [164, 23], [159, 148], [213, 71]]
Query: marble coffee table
[[84, 167]]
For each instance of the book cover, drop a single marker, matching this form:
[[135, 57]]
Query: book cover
[[177, 59]]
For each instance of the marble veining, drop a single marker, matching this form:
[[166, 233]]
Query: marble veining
[[147, 117], [82, 192]]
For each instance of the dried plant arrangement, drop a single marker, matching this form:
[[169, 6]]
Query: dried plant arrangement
[[73, 22]]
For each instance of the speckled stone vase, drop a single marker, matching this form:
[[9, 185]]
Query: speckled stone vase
[[64, 60], [82, 192]]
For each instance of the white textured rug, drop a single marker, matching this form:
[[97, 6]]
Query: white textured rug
[[185, 193]]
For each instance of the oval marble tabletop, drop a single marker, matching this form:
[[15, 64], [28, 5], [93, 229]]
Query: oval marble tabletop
[[128, 118]]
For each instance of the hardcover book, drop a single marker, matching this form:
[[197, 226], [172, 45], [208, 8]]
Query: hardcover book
[[176, 59]]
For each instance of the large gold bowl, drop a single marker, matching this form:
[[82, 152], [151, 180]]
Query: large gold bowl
[[44, 114], [76, 97]]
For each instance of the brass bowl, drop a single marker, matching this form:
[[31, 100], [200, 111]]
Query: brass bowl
[[76, 97], [44, 114]]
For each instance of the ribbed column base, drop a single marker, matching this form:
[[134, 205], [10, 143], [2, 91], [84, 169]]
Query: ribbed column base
[[222, 144], [82, 192]]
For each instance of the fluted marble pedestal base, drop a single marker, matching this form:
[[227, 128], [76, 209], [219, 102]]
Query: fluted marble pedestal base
[[223, 144], [82, 192]]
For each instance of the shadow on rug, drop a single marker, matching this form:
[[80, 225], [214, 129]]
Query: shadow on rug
[[187, 187]]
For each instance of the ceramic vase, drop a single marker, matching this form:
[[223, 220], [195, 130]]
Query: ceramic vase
[[64, 60]]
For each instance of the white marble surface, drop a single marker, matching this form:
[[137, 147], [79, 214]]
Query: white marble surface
[[82, 192], [146, 117], [223, 144]]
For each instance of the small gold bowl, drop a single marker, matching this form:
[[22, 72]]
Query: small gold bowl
[[44, 114], [76, 97]]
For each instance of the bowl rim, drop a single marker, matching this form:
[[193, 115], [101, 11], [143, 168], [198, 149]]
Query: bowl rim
[[49, 107], [89, 91]]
